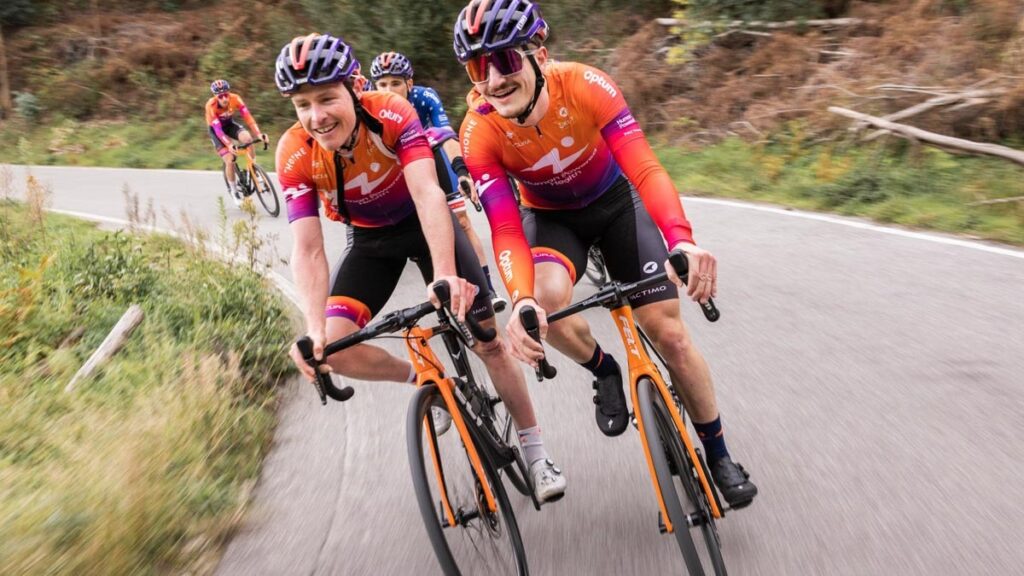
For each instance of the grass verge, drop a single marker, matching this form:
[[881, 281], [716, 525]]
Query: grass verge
[[901, 184], [146, 467]]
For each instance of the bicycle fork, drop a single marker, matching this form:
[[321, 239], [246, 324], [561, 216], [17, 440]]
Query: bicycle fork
[[427, 372], [640, 366]]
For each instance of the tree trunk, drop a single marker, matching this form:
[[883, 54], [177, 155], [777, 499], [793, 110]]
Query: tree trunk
[[5, 83]]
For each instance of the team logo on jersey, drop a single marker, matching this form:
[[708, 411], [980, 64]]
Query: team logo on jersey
[[594, 78], [554, 160], [389, 115], [364, 184], [483, 184], [563, 112]]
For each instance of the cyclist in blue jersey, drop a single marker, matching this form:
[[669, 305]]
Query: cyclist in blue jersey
[[392, 72]]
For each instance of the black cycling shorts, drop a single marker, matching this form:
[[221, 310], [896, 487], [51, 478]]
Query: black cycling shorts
[[619, 224], [368, 271], [230, 128]]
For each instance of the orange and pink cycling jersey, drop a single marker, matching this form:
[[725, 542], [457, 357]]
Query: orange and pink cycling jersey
[[216, 114], [582, 145], [375, 190]]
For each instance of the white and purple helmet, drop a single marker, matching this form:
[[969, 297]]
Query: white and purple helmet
[[314, 59], [489, 25], [390, 64]]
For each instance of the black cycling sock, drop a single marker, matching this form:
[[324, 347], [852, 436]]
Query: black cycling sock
[[712, 437], [487, 274], [601, 364]]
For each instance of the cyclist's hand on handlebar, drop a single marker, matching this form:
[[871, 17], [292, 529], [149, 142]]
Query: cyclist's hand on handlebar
[[702, 279], [468, 189], [462, 294], [318, 353], [265, 139], [234, 148], [520, 343]]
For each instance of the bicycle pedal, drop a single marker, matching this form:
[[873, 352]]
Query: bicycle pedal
[[632, 420]]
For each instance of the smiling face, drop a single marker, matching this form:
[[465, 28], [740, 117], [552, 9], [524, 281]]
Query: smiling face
[[510, 95], [395, 85], [327, 113]]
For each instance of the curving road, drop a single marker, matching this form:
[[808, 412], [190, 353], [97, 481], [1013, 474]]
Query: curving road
[[871, 379]]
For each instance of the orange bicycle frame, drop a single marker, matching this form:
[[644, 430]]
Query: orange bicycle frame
[[641, 365], [427, 366]]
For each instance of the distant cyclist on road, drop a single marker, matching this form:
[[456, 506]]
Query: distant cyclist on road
[[365, 159], [587, 175], [392, 71], [220, 117]]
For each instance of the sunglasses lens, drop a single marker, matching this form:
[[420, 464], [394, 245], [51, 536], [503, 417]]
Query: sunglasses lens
[[505, 62]]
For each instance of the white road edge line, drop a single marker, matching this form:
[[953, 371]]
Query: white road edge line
[[864, 226]]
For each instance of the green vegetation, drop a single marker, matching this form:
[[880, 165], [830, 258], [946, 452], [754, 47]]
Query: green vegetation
[[921, 187], [145, 467]]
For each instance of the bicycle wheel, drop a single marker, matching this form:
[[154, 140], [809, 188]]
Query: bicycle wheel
[[266, 192], [596, 270], [684, 498], [479, 542]]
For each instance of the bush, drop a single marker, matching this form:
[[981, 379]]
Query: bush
[[27, 106]]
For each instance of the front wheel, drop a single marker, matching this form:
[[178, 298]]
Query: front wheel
[[680, 488], [266, 192], [478, 541]]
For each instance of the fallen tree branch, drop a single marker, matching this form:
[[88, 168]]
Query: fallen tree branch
[[111, 344], [970, 98], [933, 138], [996, 201]]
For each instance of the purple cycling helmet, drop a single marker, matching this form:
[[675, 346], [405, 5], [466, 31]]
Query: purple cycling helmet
[[314, 59], [220, 87], [488, 25], [390, 64]]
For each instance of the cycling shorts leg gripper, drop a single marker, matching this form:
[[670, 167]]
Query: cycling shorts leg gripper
[[349, 308], [549, 231], [544, 254]]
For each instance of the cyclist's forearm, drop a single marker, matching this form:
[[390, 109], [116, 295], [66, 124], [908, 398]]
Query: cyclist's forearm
[[437, 229], [219, 131], [451, 148], [309, 268]]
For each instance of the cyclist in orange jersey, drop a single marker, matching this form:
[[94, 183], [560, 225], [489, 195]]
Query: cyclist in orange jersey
[[586, 176], [220, 117], [365, 160]]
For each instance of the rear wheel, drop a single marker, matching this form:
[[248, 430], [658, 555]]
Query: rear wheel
[[684, 498], [479, 541], [596, 271], [266, 192]]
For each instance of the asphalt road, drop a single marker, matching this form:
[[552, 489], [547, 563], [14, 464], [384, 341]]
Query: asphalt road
[[871, 380]]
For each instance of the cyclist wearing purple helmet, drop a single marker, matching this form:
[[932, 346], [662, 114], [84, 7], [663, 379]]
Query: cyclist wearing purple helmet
[[220, 117], [587, 176], [364, 158]]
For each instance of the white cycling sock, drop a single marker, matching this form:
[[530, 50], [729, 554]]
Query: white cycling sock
[[412, 375], [533, 445]]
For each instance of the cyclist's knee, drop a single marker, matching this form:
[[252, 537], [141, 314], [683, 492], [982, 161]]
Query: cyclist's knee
[[488, 350]]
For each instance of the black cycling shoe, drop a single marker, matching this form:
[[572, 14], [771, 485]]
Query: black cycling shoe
[[610, 413], [733, 482]]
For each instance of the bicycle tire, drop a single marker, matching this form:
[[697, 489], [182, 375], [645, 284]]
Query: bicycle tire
[[448, 541], [266, 192], [663, 442]]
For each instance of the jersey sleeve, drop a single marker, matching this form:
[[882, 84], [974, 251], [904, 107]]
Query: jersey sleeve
[[438, 117], [403, 132], [482, 154], [633, 154], [293, 160]]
